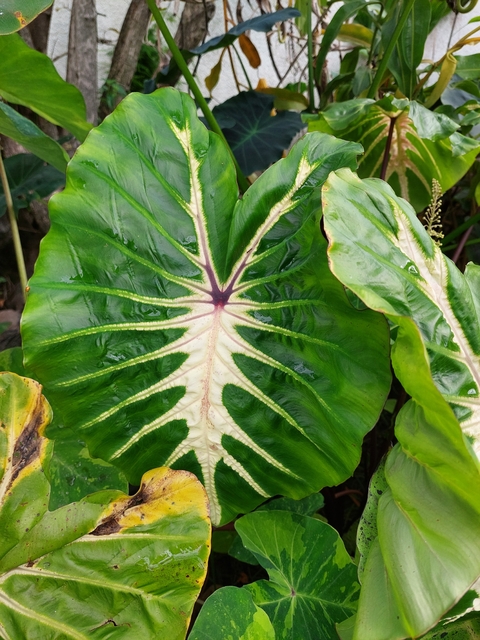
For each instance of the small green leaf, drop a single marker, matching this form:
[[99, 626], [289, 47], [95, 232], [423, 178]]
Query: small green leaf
[[468, 67], [29, 78], [16, 14], [15, 126], [231, 614], [29, 179], [312, 582]]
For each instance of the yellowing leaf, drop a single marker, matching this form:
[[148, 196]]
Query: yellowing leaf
[[446, 72], [213, 77], [356, 34], [249, 50]]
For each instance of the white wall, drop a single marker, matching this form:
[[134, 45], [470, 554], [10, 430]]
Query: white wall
[[112, 12]]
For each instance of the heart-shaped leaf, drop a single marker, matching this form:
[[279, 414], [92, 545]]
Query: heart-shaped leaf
[[174, 324], [312, 582], [16, 14], [394, 266], [111, 565]]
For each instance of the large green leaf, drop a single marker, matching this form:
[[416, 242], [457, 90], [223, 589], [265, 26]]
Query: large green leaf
[[109, 566], [15, 126], [312, 582], [394, 266], [231, 614], [16, 14], [29, 78], [172, 323], [29, 179], [416, 157], [256, 137]]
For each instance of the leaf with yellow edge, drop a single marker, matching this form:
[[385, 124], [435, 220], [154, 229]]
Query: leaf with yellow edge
[[356, 34], [16, 14], [108, 566]]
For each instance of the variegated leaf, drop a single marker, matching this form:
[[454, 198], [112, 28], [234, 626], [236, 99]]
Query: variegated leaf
[[394, 266], [108, 566], [417, 156], [172, 323]]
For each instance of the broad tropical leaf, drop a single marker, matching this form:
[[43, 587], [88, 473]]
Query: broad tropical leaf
[[29, 179], [257, 137], [16, 14], [394, 266], [194, 330], [230, 613], [427, 551], [111, 565], [417, 157], [22, 130], [312, 582], [29, 78]]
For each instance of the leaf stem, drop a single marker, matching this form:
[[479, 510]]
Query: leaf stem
[[461, 245], [459, 230], [382, 67], [308, 26], [202, 103], [388, 146], [13, 224]]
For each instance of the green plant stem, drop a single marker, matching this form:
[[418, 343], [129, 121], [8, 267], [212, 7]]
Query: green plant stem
[[311, 86], [243, 67], [382, 67], [467, 244], [13, 224], [202, 103]]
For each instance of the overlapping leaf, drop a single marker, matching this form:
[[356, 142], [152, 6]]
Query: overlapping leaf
[[427, 551], [394, 266], [191, 329], [109, 566], [16, 14], [29, 78], [312, 582], [422, 544], [424, 145]]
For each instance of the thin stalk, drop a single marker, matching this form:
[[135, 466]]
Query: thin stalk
[[202, 103], [388, 146], [461, 245], [311, 86], [13, 224], [460, 229], [243, 68], [382, 67]]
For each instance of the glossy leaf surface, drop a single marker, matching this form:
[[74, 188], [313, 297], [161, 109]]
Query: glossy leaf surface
[[29, 78], [29, 179], [427, 552], [423, 144], [195, 330], [394, 266], [110, 566], [231, 614], [312, 578], [256, 137], [16, 14], [15, 126]]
